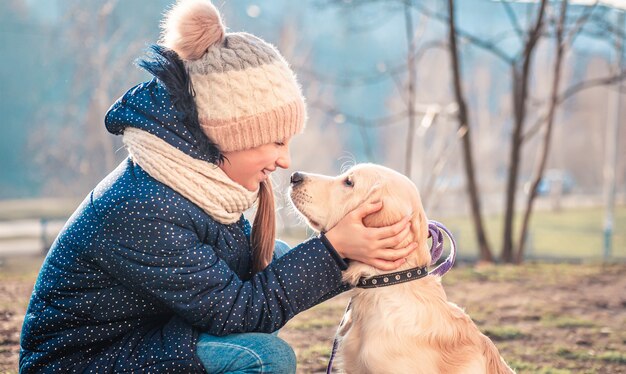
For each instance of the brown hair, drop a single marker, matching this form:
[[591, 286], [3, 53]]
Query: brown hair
[[264, 229]]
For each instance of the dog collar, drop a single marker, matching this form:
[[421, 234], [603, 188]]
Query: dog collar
[[392, 278]]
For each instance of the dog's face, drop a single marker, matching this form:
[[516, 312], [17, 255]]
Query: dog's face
[[324, 200]]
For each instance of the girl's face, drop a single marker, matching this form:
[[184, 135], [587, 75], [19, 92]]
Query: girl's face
[[252, 166]]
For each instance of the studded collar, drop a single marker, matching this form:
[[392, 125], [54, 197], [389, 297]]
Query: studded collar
[[392, 278]]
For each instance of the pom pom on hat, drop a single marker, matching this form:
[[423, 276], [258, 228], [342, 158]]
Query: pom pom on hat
[[191, 27]]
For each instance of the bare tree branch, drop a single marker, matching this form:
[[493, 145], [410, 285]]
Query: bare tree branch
[[361, 121], [520, 76], [500, 37], [474, 40], [464, 128], [370, 78], [440, 160], [568, 93], [580, 23], [513, 19], [544, 152], [408, 22], [369, 153], [571, 91], [611, 27]]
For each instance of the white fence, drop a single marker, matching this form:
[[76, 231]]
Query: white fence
[[28, 236]]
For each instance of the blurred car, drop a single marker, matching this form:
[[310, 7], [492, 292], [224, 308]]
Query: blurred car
[[553, 180]]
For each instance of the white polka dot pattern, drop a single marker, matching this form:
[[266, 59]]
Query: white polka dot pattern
[[138, 270]]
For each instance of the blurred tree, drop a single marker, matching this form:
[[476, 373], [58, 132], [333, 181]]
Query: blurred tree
[[521, 68], [484, 248], [529, 23], [544, 152], [429, 113], [21, 72], [521, 72], [71, 144], [376, 80]]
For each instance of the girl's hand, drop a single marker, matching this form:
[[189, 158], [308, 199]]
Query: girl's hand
[[374, 246]]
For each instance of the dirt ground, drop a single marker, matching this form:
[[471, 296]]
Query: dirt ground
[[544, 318]]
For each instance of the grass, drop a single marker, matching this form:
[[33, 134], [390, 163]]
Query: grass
[[499, 333], [315, 350], [313, 323], [571, 354], [570, 233], [566, 322], [523, 367], [550, 273], [537, 338], [574, 234], [613, 357], [20, 269]]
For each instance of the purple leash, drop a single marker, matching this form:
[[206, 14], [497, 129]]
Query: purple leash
[[329, 368], [436, 249]]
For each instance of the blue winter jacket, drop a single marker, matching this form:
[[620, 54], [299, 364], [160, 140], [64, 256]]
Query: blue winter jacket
[[139, 270]]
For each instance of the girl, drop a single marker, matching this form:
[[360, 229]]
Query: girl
[[158, 270]]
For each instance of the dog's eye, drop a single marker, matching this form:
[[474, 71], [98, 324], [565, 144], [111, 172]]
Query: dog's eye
[[348, 182]]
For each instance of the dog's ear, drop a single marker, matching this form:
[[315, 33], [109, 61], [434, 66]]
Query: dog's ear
[[419, 231], [391, 212], [375, 193]]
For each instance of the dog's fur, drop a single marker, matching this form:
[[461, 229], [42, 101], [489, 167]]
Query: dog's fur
[[404, 328]]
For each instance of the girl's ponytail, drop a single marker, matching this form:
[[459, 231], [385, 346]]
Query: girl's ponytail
[[263, 234]]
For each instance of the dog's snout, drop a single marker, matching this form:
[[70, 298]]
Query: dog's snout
[[296, 178]]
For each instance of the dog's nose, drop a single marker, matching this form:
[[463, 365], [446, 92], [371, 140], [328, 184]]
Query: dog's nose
[[296, 178]]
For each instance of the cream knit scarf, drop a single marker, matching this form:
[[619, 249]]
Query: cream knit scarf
[[203, 183]]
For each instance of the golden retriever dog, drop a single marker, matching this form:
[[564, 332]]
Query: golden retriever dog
[[404, 328]]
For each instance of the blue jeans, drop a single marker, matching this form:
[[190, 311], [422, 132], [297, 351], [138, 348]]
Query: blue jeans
[[247, 352]]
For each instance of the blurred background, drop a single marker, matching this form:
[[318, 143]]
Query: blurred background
[[507, 115], [519, 164]]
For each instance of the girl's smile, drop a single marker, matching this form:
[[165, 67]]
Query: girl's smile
[[252, 166]]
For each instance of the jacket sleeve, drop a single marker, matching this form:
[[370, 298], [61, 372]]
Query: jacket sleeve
[[156, 252]]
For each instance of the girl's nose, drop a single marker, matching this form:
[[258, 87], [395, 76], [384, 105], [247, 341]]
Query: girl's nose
[[284, 158]]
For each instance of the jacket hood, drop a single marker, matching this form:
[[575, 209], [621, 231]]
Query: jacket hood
[[164, 107]]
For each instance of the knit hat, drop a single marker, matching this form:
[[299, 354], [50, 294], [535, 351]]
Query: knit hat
[[245, 93]]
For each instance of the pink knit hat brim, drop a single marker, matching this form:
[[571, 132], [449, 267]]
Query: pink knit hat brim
[[276, 125]]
